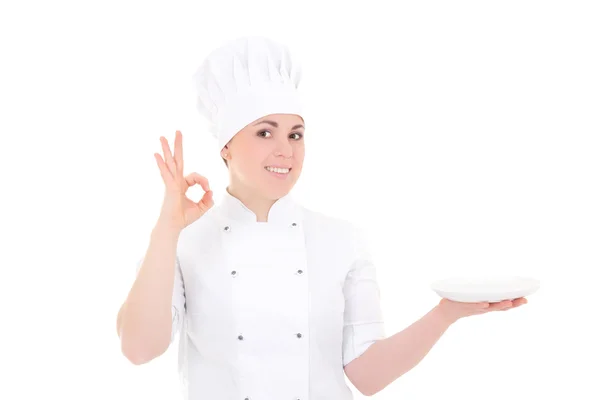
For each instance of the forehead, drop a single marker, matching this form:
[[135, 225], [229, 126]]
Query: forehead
[[282, 120]]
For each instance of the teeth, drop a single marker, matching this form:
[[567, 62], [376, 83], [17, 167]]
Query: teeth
[[278, 170]]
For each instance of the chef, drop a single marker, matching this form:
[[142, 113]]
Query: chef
[[270, 300]]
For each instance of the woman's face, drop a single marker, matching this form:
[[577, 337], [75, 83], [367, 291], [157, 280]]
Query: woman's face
[[274, 141]]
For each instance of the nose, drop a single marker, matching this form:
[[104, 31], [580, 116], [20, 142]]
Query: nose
[[284, 148]]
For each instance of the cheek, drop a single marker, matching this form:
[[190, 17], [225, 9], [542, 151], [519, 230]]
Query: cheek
[[299, 154], [248, 166]]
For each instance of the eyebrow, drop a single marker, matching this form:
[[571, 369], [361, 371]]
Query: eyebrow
[[276, 125]]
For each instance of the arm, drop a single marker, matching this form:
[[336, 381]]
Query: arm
[[144, 322], [363, 317], [387, 359]]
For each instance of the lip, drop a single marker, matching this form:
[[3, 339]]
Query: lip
[[277, 174], [280, 166]]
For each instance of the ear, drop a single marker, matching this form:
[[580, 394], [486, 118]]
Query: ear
[[225, 152]]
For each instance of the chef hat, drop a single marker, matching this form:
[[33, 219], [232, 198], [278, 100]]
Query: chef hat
[[244, 80]]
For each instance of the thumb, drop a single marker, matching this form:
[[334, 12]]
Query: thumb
[[206, 201]]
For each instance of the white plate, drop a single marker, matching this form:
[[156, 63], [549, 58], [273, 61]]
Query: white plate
[[492, 290]]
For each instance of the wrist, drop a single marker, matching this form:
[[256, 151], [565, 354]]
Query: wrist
[[164, 228], [442, 315]]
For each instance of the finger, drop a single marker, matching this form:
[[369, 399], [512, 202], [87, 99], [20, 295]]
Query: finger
[[196, 178], [500, 305], [164, 170], [168, 156], [519, 302], [206, 201], [179, 152]]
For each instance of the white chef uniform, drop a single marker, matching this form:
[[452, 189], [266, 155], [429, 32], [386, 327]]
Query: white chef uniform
[[267, 310], [272, 310]]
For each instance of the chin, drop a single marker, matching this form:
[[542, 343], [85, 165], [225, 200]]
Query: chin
[[275, 188], [274, 192]]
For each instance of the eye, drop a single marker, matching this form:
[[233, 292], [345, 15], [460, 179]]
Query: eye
[[263, 132], [299, 135]]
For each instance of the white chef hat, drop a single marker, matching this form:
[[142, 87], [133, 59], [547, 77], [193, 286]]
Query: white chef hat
[[244, 80]]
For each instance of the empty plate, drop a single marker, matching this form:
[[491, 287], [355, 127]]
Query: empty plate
[[491, 290]]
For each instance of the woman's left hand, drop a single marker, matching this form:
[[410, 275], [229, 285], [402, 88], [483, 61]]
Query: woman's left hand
[[452, 311]]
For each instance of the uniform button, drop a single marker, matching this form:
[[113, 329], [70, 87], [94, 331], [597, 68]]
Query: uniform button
[[299, 272], [240, 337], [233, 273], [299, 335], [294, 224], [227, 229]]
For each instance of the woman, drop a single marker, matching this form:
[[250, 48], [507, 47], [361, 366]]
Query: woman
[[272, 300]]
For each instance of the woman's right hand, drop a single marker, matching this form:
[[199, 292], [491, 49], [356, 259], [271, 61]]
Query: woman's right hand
[[178, 211]]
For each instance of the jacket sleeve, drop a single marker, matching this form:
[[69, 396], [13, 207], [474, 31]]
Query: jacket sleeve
[[178, 299], [363, 318]]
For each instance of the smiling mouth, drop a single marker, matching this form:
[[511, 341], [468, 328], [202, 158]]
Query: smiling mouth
[[281, 171]]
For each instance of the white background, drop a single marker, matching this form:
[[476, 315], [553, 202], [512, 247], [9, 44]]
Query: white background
[[463, 134]]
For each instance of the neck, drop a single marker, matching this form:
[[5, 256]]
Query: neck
[[260, 206]]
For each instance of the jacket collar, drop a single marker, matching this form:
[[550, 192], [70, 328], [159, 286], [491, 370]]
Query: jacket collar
[[284, 211]]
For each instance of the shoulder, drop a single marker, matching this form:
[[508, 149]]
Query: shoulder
[[341, 241], [334, 228]]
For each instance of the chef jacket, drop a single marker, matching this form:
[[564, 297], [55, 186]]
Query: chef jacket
[[272, 310]]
